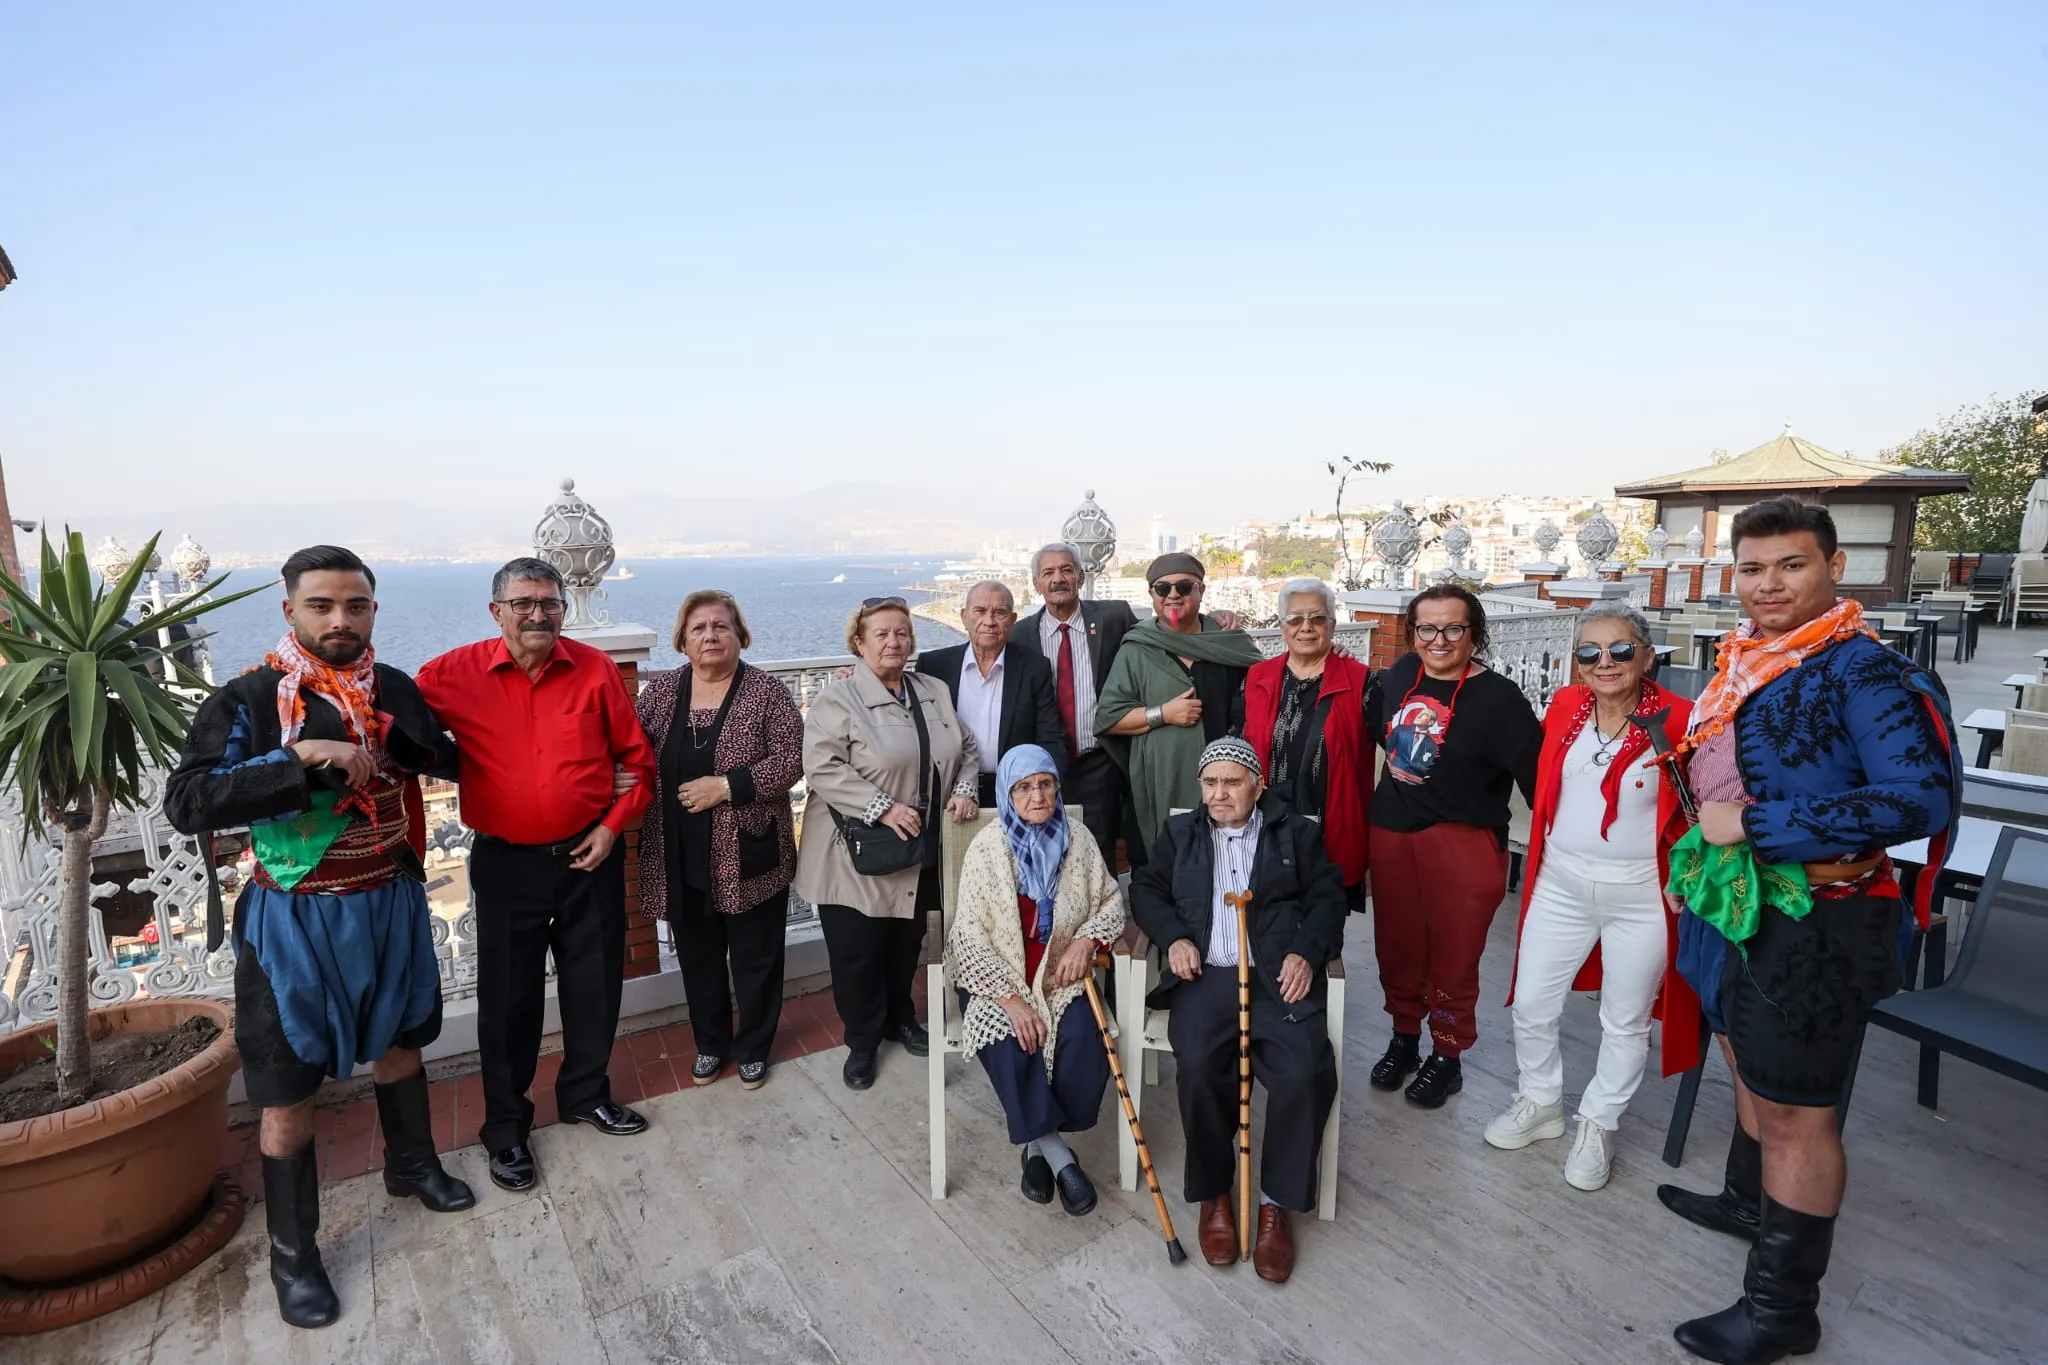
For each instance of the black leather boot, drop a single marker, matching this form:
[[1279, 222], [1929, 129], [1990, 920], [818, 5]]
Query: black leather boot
[[1778, 1313], [411, 1166], [291, 1196], [1734, 1209]]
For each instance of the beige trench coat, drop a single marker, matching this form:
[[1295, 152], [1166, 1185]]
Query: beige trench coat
[[859, 742]]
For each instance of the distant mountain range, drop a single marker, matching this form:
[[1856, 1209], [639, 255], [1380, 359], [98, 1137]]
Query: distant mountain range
[[857, 518]]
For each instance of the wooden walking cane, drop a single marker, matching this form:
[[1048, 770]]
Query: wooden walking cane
[[1174, 1252], [1241, 901]]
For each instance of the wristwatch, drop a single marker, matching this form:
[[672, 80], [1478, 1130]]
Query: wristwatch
[[1155, 716]]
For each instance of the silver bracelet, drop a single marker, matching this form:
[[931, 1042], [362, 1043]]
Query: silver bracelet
[[1155, 716]]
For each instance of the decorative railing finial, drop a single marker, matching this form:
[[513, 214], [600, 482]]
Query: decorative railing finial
[[578, 542], [1597, 540], [1093, 535], [189, 561]]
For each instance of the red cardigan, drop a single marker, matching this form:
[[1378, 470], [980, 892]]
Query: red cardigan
[[1677, 1006], [1348, 793]]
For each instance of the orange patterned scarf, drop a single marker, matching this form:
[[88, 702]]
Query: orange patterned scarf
[[1749, 661], [351, 688]]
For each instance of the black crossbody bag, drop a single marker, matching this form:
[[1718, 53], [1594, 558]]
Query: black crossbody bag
[[877, 850]]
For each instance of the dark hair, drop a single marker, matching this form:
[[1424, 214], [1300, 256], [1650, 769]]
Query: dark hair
[[1475, 614], [1786, 516], [532, 570], [315, 558]]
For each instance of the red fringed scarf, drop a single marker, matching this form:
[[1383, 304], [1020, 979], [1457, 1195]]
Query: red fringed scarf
[[1632, 747]]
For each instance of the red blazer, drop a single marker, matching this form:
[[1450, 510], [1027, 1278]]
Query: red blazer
[[1349, 791], [1677, 1006]]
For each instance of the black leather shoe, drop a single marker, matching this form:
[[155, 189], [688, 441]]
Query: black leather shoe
[[1077, 1192], [1734, 1209], [1037, 1181], [1399, 1061], [291, 1197], [1777, 1314], [412, 1169], [613, 1120], [705, 1069], [1440, 1078], [915, 1040], [859, 1071], [512, 1167]]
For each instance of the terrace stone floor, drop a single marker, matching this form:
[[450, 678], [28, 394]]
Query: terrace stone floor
[[795, 1224]]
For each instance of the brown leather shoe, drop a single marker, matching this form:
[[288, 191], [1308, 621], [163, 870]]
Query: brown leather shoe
[[1219, 1232], [1273, 1255]]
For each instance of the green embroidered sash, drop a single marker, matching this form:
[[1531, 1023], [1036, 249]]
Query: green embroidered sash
[[1728, 888], [289, 849]]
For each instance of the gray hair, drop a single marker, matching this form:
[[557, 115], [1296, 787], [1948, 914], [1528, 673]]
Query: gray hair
[[1615, 611], [997, 584], [1315, 585], [1048, 548], [530, 569]]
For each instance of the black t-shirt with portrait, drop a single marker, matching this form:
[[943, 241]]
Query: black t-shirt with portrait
[[1453, 752]]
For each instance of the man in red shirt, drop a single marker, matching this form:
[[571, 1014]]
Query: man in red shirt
[[540, 722]]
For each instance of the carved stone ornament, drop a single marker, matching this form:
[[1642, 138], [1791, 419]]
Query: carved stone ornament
[[1660, 541], [1457, 541], [1093, 535], [189, 561], [578, 542], [1694, 539], [1597, 539], [1546, 538], [112, 558]]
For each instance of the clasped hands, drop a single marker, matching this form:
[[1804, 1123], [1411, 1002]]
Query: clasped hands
[[1184, 960], [907, 824], [1069, 967]]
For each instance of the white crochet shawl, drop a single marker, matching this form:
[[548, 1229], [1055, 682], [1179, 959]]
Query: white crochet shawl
[[985, 947]]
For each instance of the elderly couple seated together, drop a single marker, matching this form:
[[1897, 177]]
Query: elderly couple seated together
[[1037, 903]]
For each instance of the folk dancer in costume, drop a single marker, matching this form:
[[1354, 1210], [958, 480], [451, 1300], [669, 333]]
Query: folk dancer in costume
[[1232, 844], [1813, 749], [318, 752]]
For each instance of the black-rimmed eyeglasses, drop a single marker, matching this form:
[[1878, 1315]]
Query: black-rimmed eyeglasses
[[1454, 632], [534, 606]]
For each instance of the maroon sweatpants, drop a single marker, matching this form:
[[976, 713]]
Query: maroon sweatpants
[[1433, 896]]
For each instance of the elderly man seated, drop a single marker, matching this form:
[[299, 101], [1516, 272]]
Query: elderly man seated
[[1233, 844]]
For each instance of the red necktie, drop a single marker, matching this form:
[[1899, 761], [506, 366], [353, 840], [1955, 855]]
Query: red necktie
[[1064, 683]]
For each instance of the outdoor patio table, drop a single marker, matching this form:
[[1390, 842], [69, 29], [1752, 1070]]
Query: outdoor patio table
[[1990, 727], [2017, 681], [2016, 798]]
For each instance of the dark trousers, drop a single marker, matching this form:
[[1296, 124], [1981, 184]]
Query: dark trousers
[[1095, 784], [1434, 894], [1291, 1058], [1071, 1099], [985, 790], [874, 962], [750, 946], [529, 904]]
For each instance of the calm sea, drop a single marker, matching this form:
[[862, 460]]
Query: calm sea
[[796, 608]]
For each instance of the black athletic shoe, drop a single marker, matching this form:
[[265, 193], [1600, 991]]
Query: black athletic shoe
[[1440, 1078], [1398, 1063]]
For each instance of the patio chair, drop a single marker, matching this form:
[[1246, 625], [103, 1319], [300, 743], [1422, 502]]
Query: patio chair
[[1144, 1037], [2030, 589], [1930, 572], [2033, 698], [1991, 1010], [942, 1009], [2026, 751], [1990, 581]]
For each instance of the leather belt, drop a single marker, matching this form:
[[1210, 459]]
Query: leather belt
[[557, 850], [1824, 874]]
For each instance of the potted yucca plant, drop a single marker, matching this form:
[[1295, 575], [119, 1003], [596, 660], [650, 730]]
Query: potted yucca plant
[[102, 1177]]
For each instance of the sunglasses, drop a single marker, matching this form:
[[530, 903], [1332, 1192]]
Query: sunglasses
[[869, 602], [1176, 587], [1620, 652], [1297, 621]]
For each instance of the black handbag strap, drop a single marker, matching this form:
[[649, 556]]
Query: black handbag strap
[[924, 747]]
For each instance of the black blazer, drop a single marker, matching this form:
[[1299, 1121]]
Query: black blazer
[[1106, 623], [1031, 707]]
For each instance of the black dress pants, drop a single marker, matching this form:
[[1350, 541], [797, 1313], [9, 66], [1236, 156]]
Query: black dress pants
[[874, 962], [530, 903], [1095, 784], [1291, 1058], [750, 946]]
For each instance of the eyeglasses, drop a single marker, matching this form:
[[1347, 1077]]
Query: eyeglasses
[[1453, 632], [1035, 786], [869, 602], [1177, 587], [530, 606], [1297, 621], [1621, 652]]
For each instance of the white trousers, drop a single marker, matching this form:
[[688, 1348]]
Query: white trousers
[[1578, 902]]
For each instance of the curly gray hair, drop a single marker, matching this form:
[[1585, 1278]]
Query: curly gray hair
[[1638, 626]]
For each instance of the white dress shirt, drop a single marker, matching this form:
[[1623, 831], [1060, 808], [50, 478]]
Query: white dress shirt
[[981, 707], [1084, 670], [1235, 849]]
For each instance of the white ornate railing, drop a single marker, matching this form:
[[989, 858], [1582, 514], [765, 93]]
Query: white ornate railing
[[1533, 650]]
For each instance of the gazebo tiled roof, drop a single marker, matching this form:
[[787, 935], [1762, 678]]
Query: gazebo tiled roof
[[1790, 462], [6, 269]]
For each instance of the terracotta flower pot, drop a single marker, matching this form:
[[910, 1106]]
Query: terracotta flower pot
[[103, 1182]]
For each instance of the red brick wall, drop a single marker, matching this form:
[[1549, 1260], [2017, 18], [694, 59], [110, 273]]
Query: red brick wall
[[1657, 577], [1387, 642]]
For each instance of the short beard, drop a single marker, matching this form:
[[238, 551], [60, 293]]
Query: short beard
[[334, 653]]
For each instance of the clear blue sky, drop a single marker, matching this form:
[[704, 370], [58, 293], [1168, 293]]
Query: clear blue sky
[[1181, 253]]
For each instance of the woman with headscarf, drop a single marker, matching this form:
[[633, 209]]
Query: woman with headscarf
[[1036, 903]]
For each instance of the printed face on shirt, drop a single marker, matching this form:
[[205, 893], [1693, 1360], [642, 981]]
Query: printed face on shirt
[[988, 616], [1415, 738], [1230, 791], [530, 613], [332, 613], [1785, 581]]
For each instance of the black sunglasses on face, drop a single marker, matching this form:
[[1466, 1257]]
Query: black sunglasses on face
[[882, 602], [1621, 652], [1176, 587]]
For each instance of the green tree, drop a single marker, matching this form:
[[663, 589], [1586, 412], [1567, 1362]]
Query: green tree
[[1635, 534], [1997, 445], [1296, 557]]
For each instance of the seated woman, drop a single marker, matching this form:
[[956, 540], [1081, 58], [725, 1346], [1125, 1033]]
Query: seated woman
[[1037, 902]]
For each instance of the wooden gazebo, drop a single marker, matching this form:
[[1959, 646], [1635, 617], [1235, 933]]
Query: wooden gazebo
[[1874, 505]]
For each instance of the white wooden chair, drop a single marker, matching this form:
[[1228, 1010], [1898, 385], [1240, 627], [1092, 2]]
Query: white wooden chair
[[1144, 1037], [942, 1010]]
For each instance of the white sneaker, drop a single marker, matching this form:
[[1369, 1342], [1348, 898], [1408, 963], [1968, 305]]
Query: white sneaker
[[1525, 1122], [1591, 1156]]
